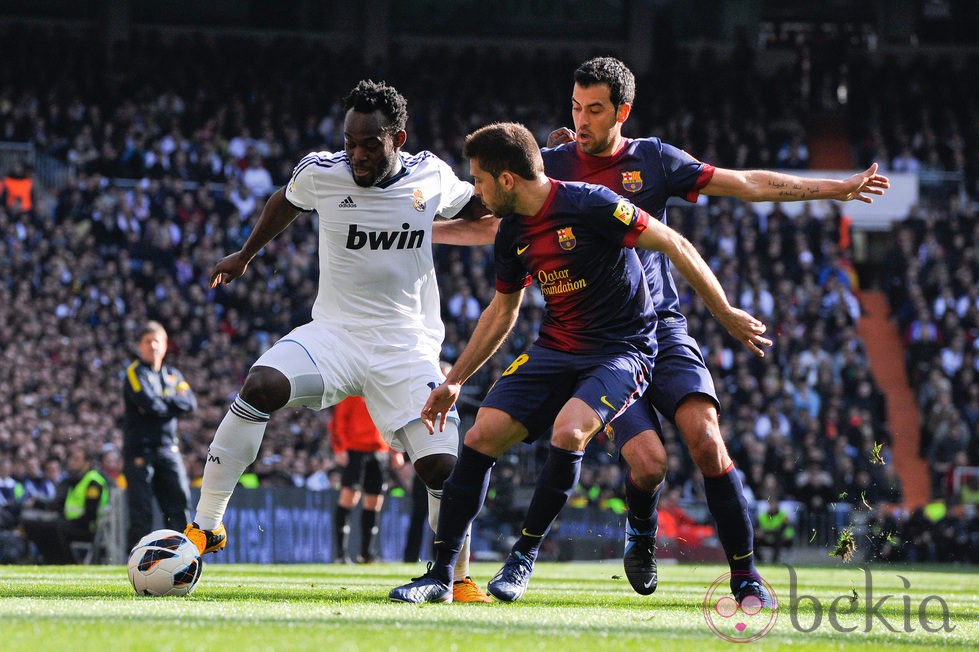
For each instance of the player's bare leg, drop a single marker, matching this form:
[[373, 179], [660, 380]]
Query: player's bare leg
[[646, 458], [696, 419]]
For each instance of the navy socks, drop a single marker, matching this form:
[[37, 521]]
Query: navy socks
[[463, 495], [725, 499], [643, 515], [555, 484]]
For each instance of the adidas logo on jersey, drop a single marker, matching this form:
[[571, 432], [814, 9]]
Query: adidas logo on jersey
[[347, 203]]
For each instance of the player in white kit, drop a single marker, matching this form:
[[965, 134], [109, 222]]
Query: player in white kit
[[376, 329]]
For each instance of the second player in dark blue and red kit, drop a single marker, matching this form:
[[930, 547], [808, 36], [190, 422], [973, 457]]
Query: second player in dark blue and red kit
[[649, 172]]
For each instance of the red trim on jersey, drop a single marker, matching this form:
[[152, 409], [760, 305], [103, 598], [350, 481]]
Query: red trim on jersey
[[638, 226], [546, 206], [705, 176], [510, 288]]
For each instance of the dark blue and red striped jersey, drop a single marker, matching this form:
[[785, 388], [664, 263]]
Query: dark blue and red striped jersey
[[647, 171], [578, 247]]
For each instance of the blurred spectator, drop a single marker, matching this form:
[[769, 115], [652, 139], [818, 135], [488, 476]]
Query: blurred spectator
[[676, 524], [793, 155], [816, 489], [773, 531], [73, 515], [946, 451], [256, 177], [883, 532], [906, 161], [18, 189], [111, 466], [44, 488]]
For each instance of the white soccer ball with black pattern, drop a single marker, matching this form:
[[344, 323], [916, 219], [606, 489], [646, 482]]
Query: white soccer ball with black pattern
[[164, 562]]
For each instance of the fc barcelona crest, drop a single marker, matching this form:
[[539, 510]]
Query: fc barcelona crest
[[632, 180], [566, 238]]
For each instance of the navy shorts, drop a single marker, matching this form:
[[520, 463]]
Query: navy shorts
[[680, 372], [538, 383], [638, 417]]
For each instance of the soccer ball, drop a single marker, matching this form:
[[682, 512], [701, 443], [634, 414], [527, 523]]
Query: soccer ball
[[164, 562]]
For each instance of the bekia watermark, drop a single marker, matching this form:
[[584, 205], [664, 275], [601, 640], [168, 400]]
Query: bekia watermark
[[935, 619], [749, 620]]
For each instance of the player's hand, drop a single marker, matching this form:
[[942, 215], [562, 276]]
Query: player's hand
[[228, 269], [341, 458], [438, 404], [559, 137], [746, 329], [397, 459], [864, 183]]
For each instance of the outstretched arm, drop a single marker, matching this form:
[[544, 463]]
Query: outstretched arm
[[276, 216], [494, 325], [742, 326], [481, 231], [473, 225], [766, 185]]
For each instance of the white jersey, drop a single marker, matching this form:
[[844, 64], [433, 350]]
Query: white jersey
[[375, 243]]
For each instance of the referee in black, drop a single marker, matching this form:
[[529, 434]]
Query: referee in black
[[155, 395]]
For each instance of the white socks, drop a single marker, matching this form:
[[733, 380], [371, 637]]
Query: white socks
[[235, 446]]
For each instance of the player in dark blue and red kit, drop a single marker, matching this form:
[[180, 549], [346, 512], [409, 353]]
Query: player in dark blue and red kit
[[593, 354], [648, 172]]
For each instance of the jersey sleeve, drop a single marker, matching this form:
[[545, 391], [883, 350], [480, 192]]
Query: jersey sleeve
[[620, 219], [511, 275], [685, 175], [300, 189], [456, 193]]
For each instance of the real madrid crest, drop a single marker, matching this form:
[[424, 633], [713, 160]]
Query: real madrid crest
[[566, 238], [418, 200], [632, 180]]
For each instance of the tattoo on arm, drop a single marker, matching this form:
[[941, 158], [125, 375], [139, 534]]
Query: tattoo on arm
[[797, 191]]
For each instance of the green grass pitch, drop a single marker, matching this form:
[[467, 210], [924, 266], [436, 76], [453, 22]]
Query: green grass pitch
[[578, 606]]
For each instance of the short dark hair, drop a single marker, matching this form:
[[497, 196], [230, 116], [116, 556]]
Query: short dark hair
[[505, 146], [369, 96], [612, 72]]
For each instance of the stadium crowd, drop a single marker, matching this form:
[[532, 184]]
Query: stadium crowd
[[173, 143]]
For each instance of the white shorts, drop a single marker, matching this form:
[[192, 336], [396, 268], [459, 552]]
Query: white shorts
[[395, 379]]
